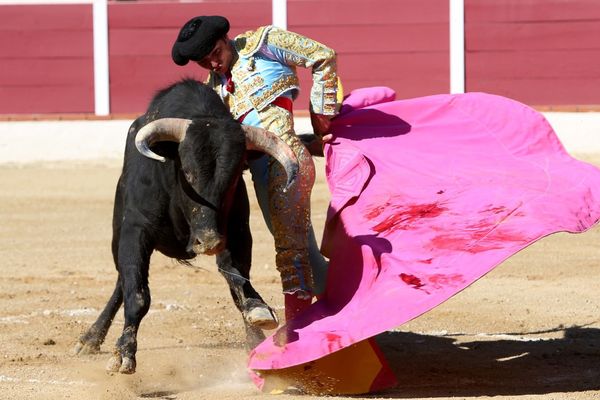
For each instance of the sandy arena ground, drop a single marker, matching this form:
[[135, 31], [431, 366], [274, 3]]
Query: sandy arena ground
[[528, 330]]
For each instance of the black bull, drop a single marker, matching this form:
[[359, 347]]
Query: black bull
[[193, 202]]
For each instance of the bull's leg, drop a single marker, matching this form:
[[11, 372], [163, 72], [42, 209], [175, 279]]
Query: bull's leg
[[234, 264], [90, 341], [257, 315], [133, 261]]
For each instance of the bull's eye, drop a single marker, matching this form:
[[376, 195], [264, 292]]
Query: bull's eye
[[188, 176]]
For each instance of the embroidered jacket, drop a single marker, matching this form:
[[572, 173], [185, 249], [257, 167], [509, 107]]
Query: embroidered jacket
[[265, 68]]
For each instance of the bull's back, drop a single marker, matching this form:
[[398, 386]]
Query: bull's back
[[187, 98]]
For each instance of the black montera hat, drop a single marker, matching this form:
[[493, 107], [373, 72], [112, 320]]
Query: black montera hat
[[198, 37]]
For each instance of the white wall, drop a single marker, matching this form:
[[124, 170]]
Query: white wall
[[34, 141]]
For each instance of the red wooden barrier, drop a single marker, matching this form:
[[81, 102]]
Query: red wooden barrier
[[140, 40], [541, 52], [400, 44], [46, 59]]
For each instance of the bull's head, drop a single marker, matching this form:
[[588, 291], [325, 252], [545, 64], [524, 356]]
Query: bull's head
[[211, 156]]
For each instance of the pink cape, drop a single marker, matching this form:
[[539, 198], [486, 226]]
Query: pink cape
[[428, 195]]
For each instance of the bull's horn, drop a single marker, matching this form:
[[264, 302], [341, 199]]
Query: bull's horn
[[268, 142], [164, 129]]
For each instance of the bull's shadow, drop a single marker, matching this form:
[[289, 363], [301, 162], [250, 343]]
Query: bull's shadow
[[435, 366]]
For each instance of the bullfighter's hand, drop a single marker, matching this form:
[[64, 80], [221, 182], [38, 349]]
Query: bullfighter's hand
[[320, 123], [326, 138]]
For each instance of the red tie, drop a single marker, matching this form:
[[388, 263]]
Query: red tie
[[229, 86]]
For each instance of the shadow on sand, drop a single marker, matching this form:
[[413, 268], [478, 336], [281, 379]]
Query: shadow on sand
[[440, 366]]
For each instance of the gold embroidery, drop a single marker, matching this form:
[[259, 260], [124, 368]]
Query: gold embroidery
[[249, 42], [305, 52], [240, 73], [251, 64], [262, 99], [252, 92]]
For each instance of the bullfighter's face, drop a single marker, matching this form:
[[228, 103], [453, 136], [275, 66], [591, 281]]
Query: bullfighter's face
[[220, 59]]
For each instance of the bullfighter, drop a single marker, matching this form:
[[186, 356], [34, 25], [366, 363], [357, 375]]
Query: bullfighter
[[255, 75]]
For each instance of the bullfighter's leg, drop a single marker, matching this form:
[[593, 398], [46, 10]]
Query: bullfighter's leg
[[234, 264], [90, 341], [260, 178], [133, 262], [290, 215]]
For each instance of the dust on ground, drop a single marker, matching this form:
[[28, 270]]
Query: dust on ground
[[529, 329]]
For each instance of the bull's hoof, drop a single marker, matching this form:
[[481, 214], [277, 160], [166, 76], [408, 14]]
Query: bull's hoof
[[82, 348], [114, 364], [122, 365], [261, 316], [127, 366]]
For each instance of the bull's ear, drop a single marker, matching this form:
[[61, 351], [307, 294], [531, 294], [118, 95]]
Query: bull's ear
[[160, 130], [167, 150], [268, 142]]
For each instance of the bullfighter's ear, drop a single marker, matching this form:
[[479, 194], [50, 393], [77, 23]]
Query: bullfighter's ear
[[164, 129]]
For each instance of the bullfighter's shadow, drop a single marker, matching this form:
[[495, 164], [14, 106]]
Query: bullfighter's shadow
[[438, 366]]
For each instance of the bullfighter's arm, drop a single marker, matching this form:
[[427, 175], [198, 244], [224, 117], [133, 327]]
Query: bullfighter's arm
[[297, 50]]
